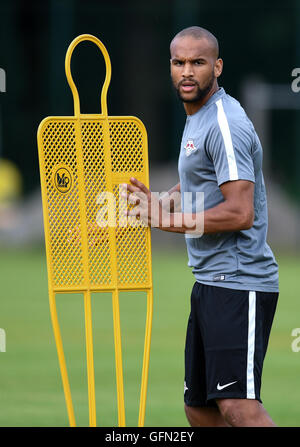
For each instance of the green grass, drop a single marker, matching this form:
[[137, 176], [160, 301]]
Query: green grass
[[30, 385]]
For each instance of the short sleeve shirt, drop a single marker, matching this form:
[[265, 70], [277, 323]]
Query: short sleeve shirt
[[219, 144]]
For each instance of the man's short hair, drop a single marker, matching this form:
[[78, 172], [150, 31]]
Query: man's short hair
[[199, 33]]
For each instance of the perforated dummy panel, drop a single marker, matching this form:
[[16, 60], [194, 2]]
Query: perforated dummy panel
[[81, 160]]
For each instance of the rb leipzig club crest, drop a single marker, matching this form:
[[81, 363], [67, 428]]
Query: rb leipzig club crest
[[189, 147]]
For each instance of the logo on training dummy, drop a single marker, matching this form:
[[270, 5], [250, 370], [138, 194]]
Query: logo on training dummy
[[62, 178], [189, 147]]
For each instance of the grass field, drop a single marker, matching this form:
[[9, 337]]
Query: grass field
[[30, 385]]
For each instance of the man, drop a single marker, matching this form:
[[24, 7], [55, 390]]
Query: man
[[234, 297]]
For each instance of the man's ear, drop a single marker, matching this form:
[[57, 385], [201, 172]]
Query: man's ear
[[218, 67]]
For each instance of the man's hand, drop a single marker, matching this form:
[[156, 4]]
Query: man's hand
[[147, 205], [171, 200]]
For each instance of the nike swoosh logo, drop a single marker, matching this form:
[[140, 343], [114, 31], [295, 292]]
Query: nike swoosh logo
[[220, 387], [185, 387]]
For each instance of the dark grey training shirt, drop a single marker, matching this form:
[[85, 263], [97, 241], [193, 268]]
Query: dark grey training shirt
[[219, 144]]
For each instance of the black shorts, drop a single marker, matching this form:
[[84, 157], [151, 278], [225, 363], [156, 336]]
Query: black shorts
[[226, 342]]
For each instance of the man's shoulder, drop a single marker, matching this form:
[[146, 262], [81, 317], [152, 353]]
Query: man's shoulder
[[232, 108], [227, 110]]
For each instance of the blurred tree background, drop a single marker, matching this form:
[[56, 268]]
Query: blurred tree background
[[257, 38]]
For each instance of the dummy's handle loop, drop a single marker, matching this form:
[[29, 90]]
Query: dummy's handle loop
[[73, 44]]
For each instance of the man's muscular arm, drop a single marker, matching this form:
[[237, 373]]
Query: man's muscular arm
[[235, 213]]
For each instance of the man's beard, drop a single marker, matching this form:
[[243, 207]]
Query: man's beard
[[200, 92]]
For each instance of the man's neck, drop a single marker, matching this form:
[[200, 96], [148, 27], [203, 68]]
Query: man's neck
[[193, 107]]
